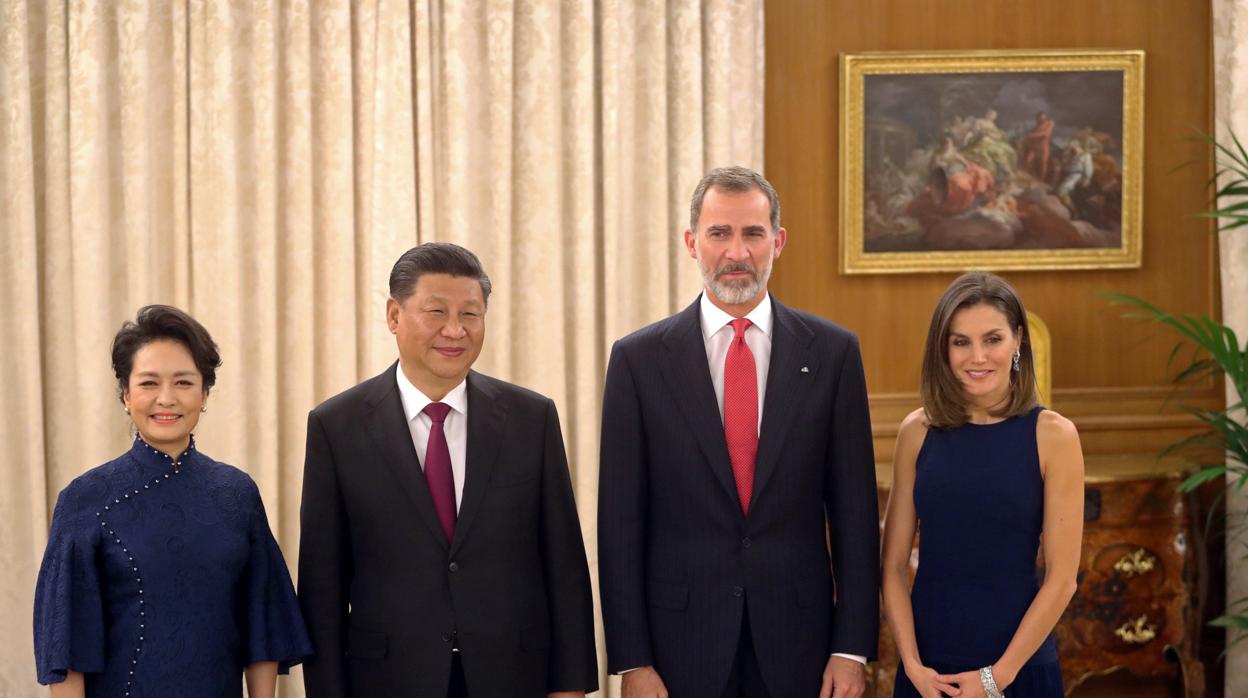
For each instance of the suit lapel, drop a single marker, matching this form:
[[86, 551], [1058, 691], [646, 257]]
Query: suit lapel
[[487, 413], [687, 374], [387, 426], [790, 375]]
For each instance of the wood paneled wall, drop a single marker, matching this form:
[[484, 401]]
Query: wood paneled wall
[[1108, 372]]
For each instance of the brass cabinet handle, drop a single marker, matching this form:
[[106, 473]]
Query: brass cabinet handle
[[1135, 563], [1137, 632]]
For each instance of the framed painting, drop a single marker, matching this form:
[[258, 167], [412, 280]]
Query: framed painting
[[991, 160]]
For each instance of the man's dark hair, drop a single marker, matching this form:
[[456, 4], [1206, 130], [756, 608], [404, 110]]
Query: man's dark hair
[[435, 258], [734, 179], [163, 322]]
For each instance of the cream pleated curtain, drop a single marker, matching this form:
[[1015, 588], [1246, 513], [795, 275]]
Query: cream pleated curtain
[[1230, 71], [262, 164]]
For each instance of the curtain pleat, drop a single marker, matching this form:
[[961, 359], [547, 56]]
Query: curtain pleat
[[1230, 72]]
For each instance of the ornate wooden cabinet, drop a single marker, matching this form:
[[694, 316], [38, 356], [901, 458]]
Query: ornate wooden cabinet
[[1135, 607], [1136, 602]]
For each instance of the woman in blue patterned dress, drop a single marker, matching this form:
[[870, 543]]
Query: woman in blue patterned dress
[[986, 475], [161, 577]]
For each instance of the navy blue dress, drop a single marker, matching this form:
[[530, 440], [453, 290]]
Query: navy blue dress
[[163, 581], [979, 497]]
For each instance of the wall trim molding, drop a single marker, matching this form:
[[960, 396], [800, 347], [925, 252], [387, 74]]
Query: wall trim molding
[[1135, 419]]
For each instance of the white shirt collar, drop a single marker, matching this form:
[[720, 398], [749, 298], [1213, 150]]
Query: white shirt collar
[[715, 319], [414, 401]]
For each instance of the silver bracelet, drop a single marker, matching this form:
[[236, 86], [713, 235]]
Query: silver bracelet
[[989, 683]]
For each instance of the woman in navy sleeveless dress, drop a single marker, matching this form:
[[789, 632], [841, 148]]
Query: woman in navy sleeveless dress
[[161, 577], [984, 475]]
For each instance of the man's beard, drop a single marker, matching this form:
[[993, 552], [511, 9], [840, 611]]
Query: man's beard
[[735, 291]]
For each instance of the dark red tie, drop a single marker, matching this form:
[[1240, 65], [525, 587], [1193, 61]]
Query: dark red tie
[[438, 468], [741, 411]]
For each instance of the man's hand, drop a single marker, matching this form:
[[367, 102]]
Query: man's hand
[[843, 678], [644, 683], [566, 694]]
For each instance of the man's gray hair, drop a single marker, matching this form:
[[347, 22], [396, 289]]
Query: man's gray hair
[[733, 179]]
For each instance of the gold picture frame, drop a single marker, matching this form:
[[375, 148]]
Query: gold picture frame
[[1004, 160]]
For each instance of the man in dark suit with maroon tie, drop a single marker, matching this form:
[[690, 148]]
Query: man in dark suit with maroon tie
[[441, 553], [737, 520]]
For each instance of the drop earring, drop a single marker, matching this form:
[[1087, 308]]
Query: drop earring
[[1016, 355]]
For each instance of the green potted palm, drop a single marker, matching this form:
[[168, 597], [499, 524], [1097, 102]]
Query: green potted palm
[[1205, 350]]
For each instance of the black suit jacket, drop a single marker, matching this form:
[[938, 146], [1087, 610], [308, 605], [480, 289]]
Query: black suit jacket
[[384, 594], [680, 562]]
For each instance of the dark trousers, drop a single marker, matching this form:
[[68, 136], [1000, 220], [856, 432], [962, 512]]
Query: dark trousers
[[745, 680], [458, 687]]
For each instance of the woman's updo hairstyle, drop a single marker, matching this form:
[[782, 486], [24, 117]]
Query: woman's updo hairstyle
[[154, 323]]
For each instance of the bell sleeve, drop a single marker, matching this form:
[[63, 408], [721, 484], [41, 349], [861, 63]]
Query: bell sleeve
[[69, 606], [274, 630]]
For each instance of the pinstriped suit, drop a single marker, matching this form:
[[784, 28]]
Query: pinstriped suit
[[681, 564]]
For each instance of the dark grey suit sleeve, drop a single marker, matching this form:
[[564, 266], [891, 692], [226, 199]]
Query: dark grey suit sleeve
[[324, 568], [853, 514], [573, 659], [622, 487]]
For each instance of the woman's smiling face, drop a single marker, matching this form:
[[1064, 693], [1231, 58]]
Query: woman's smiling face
[[164, 395], [981, 353]]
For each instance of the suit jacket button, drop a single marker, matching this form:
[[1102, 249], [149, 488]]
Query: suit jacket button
[[746, 541], [738, 591], [453, 567], [446, 637]]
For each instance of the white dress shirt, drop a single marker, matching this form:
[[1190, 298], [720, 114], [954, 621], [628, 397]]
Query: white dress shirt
[[717, 335], [455, 427]]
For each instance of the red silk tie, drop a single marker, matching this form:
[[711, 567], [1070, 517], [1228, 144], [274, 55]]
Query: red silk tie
[[741, 411], [438, 471]]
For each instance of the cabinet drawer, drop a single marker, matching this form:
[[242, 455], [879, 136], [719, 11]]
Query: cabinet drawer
[[1128, 630], [1133, 502], [1144, 561]]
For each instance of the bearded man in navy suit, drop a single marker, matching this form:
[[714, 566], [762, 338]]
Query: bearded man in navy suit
[[737, 520]]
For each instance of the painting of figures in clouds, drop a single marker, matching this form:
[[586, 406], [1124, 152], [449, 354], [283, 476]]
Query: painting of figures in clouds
[[999, 164]]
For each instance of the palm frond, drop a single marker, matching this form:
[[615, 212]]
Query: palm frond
[[1220, 451]]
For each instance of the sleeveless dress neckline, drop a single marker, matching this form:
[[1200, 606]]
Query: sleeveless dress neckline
[[979, 497]]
